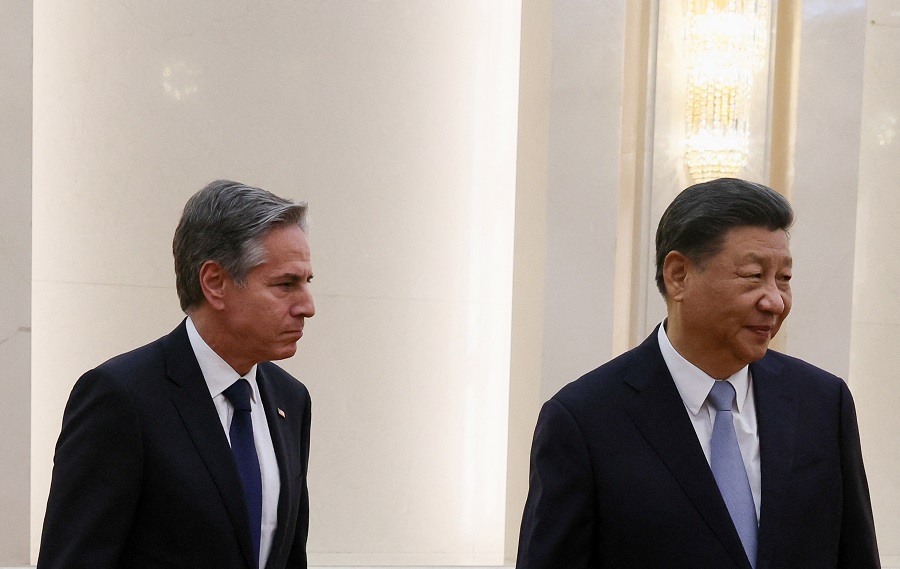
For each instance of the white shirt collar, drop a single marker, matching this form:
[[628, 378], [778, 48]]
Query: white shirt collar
[[216, 371], [692, 382]]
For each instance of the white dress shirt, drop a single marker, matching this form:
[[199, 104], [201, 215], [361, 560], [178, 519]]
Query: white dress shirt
[[694, 385], [219, 376]]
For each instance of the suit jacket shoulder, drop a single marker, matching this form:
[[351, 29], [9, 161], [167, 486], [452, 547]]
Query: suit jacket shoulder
[[277, 378], [794, 373]]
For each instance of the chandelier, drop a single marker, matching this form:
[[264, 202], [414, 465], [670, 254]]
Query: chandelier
[[726, 45]]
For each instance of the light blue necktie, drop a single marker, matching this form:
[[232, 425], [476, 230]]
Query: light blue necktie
[[728, 469], [245, 457]]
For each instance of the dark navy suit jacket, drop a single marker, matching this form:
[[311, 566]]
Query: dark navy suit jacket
[[144, 477], [619, 480]]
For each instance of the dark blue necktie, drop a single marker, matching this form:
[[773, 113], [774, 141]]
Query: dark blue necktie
[[728, 469], [244, 450]]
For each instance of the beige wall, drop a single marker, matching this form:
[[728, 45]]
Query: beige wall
[[15, 278]]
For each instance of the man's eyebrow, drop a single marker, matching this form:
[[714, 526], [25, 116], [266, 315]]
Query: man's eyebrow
[[298, 277], [293, 277], [754, 258]]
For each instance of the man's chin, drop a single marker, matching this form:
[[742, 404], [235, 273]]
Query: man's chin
[[756, 352], [285, 352]]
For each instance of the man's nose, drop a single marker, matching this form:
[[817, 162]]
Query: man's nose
[[772, 299], [305, 305]]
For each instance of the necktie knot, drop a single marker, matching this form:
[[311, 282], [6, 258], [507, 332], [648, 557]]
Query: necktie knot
[[238, 394], [722, 395]]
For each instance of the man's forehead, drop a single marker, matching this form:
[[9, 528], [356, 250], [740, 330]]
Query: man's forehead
[[756, 231], [753, 243]]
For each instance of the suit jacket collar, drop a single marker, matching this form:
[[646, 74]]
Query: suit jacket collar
[[658, 412]]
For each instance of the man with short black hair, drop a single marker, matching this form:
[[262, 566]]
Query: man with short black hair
[[192, 451], [701, 448]]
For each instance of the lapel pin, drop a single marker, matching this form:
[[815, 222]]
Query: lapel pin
[[281, 413]]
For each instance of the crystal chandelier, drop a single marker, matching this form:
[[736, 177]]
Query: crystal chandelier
[[726, 45]]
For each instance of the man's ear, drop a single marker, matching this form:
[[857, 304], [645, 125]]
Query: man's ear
[[675, 272], [213, 281]]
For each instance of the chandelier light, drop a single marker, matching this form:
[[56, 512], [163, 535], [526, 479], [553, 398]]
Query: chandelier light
[[726, 45]]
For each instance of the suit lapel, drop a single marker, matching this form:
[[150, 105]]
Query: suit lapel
[[776, 408], [198, 412], [658, 412], [279, 436]]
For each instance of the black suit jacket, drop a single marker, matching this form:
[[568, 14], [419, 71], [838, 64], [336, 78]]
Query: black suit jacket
[[144, 477], [619, 480]]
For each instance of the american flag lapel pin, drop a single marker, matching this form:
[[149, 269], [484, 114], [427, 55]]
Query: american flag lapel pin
[[281, 413]]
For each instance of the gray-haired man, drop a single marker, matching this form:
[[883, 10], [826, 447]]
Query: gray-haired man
[[192, 450]]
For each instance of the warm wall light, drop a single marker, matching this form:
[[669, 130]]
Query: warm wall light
[[727, 45]]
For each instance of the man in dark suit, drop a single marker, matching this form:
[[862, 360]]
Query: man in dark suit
[[192, 451], [641, 464]]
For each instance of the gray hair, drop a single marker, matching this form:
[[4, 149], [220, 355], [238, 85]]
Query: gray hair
[[699, 218], [226, 222]]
